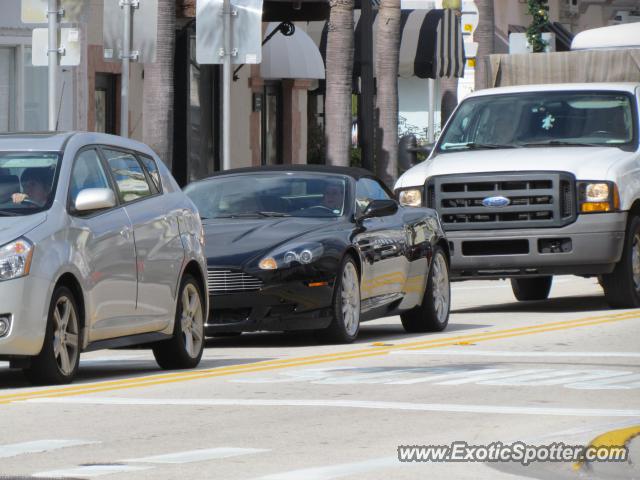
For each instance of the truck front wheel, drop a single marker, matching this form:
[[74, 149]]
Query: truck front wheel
[[536, 288], [622, 286]]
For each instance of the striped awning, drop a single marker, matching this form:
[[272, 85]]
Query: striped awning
[[431, 43]]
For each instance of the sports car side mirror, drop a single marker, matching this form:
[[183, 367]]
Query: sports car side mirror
[[380, 208]]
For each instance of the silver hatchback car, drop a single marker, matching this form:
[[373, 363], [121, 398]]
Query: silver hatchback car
[[99, 248]]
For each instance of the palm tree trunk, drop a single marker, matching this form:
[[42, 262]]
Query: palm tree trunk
[[387, 58], [339, 74], [485, 36], [157, 122]]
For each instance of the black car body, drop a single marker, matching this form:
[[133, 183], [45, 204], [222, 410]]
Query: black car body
[[392, 247]]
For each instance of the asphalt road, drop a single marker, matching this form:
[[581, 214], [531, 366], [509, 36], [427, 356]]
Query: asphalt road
[[280, 406]]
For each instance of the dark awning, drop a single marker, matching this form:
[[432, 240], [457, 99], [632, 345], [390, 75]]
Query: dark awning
[[431, 43]]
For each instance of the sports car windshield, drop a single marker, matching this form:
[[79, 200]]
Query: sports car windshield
[[535, 119], [270, 195], [27, 182]]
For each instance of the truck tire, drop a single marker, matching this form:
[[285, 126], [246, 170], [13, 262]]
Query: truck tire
[[526, 289], [622, 286]]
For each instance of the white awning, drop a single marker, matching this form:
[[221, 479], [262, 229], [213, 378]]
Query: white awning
[[615, 36], [296, 56]]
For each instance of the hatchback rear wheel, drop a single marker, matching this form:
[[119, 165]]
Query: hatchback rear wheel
[[185, 349]]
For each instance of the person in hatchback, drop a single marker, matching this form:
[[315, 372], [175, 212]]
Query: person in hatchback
[[36, 186]]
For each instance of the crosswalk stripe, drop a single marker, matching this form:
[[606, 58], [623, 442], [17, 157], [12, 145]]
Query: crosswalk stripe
[[364, 404], [39, 446], [90, 471], [507, 353], [197, 455]]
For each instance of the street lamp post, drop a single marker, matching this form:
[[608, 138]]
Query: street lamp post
[[53, 53]]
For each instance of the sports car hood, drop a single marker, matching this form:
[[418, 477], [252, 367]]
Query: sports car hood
[[231, 242], [12, 228], [586, 163]]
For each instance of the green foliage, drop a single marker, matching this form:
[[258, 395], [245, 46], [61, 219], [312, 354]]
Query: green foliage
[[356, 157], [539, 11]]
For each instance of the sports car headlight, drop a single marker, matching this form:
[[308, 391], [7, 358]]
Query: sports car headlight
[[598, 197], [411, 197], [292, 255], [15, 259]]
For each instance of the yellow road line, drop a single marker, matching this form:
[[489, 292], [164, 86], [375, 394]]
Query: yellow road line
[[438, 341], [614, 438], [312, 359]]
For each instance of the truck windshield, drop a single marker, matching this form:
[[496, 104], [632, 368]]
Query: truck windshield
[[535, 119], [27, 182]]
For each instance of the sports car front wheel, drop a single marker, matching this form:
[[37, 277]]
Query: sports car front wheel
[[345, 325], [433, 314]]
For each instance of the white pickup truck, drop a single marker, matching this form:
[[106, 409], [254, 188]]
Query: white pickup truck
[[539, 180]]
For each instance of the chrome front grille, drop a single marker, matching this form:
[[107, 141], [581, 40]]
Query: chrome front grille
[[544, 199], [222, 282]]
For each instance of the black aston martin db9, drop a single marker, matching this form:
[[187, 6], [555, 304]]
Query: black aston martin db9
[[318, 248]]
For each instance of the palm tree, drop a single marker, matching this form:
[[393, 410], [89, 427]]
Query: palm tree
[[485, 36], [339, 72], [387, 58], [157, 118]]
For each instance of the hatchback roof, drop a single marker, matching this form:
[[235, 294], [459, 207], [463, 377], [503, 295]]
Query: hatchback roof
[[36, 141], [57, 141]]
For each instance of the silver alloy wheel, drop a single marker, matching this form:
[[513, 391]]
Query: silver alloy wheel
[[350, 295], [441, 291], [192, 320], [65, 335], [635, 260]]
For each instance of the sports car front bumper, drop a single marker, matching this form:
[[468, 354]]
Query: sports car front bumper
[[293, 305]]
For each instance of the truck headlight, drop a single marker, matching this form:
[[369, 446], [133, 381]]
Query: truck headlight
[[411, 197], [15, 259], [292, 255], [598, 197]]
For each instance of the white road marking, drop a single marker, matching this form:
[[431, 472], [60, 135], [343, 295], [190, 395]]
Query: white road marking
[[89, 471], [582, 379], [335, 471], [503, 353], [400, 406], [197, 455], [39, 446]]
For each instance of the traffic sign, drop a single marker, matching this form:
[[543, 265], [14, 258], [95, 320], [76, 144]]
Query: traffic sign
[[470, 17], [35, 11], [246, 31], [144, 30], [69, 47]]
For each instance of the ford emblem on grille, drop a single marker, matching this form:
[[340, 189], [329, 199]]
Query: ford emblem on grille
[[496, 202]]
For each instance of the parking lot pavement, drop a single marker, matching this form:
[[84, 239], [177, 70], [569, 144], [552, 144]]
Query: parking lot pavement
[[279, 406]]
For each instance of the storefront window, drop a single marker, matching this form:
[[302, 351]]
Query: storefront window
[[7, 89], [35, 95]]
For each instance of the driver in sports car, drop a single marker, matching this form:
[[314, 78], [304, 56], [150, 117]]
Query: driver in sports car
[[333, 197], [35, 186]]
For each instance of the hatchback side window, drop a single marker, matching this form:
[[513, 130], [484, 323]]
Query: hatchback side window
[[152, 170], [129, 176], [87, 173]]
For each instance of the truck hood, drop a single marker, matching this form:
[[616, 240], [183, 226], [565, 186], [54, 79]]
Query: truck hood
[[12, 228], [586, 163]]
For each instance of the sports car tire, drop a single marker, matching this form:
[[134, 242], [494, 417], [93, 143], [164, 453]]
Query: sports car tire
[[345, 325], [433, 314]]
